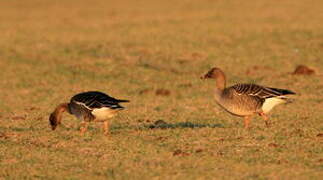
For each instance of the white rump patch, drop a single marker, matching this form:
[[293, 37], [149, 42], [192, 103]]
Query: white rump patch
[[270, 103], [104, 113]]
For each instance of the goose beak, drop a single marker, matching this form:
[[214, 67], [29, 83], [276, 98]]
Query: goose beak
[[206, 76]]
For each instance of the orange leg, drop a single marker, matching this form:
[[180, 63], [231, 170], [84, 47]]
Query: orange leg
[[265, 117], [106, 127], [247, 121], [84, 125]]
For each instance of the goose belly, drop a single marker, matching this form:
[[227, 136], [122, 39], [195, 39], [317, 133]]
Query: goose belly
[[236, 110], [104, 113], [238, 105], [270, 103]]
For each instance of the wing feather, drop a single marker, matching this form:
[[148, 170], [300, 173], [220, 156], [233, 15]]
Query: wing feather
[[260, 91], [95, 99]]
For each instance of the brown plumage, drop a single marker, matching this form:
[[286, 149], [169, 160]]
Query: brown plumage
[[246, 100], [55, 117], [88, 106]]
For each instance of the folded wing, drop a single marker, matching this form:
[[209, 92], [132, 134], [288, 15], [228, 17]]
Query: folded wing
[[94, 99], [260, 91]]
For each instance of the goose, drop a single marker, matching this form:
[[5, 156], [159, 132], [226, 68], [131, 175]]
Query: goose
[[88, 106], [246, 100]]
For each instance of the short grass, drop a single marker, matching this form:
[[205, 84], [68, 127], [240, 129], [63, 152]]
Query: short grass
[[50, 50]]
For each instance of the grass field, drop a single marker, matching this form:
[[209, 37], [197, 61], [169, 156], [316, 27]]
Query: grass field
[[50, 50]]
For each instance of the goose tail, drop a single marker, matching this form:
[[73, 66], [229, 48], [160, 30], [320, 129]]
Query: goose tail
[[122, 100]]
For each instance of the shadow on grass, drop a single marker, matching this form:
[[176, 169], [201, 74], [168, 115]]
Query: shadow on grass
[[156, 125], [160, 124], [164, 125]]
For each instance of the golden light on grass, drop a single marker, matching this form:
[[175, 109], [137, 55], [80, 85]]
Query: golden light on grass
[[50, 50]]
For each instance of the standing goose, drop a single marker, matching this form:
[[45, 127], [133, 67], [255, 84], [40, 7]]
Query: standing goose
[[88, 106], [245, 100]]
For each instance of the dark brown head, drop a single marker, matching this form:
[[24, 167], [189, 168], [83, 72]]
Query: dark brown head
[[53, 122], [55, 117], [218, 75], [213, 73]]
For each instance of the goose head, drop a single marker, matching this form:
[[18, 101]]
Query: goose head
[[217, 74], [55, 117]]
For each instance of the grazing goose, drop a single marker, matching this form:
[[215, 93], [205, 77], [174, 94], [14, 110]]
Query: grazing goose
[[245, 100], [88, 106]]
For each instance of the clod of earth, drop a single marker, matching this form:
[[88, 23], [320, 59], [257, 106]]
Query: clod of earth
[[3, 135], [32, 108], [273, 145], [179, 152], [199, 150], [18, 118], [161, 138], [162, 92], [303, 70]]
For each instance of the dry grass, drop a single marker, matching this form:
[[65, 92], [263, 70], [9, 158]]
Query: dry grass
[[153, 54]]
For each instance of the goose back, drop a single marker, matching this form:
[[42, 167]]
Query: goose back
[[94, 105]]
